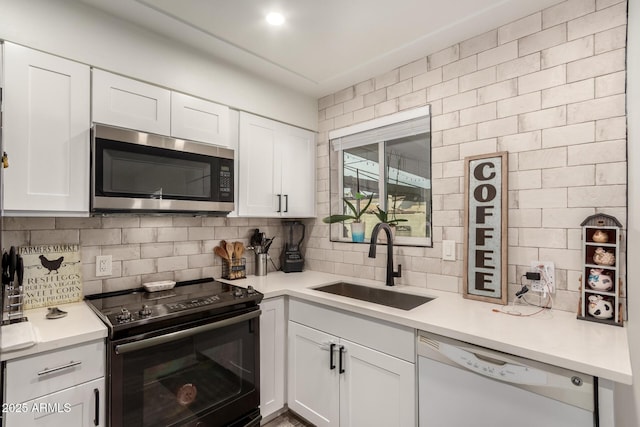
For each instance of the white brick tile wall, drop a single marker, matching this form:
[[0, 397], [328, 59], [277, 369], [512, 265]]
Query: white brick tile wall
[[518, 67], [354, 104], [344, 95], [460, 101], [569, 93], [413, 99], [567, 52], [566, 11], [526, 141], [459, 134], [568, 135], [498, 55], [542, 79], [612, 39], [543, 237], [611, 84], [498, 91], [499, 127], [481, 113], [402, 88], [474, 148], [573, 176], [46, 237], [376, 97], [365, 87], [459, 68], [543, 198], [598, 65], [443, 57], [442, 90], [387, 79], [413, 69], [565, 217], [611, 173], [155, 250], [386, 108], [520, 28], [600, 152], [541, 40], [600, 195], [479, 43], [523, 180], [599, 108], [525, 218], [601, 20], [542, 159], [364, 114], [613, 128], [429, 78], [549, 117], [445, 121], [519, 104]]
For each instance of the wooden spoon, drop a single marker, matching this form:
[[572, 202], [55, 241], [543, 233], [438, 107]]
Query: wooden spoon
[[238, 249], [229, 248], [222, 253]]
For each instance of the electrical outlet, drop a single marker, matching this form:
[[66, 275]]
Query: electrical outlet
[[103, 265], [449, 250], [547, 272]]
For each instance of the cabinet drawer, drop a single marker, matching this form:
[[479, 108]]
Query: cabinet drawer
[[395, 340], [32, 377]]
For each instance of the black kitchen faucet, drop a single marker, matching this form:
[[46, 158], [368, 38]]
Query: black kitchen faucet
[[372, 251]]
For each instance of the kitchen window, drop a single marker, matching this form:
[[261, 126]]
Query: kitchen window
[[389, 160]]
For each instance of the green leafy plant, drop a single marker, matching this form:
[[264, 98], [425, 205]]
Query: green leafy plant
[[357, 213], [383, 216]]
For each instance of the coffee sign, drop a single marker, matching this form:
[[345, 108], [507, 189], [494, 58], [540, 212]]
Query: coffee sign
[[485, 261]]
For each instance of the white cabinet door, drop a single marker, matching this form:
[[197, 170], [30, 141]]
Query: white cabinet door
[[272, 356], [257, 187], [199, 120], [46, 133], [79, 406], [376, 390], [277, 169], [298, 154], [128, 103], [313, 388]]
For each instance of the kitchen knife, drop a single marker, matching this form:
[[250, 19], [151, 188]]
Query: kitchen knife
[[5, 268], [20, 270], [13, 260]]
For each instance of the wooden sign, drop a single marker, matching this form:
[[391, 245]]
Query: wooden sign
[[485, 223], [51, 275]]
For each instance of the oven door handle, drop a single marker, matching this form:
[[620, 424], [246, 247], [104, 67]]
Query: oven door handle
[[175, 336]]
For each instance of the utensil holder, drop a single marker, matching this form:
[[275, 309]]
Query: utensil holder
[[261, 264], [234, 269]]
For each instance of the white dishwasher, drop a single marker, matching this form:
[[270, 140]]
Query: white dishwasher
[[463, 385]]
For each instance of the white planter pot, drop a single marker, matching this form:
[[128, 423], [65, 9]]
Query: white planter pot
[[357, 231]]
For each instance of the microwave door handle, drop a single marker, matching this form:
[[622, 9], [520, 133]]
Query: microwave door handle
[[175, 336]]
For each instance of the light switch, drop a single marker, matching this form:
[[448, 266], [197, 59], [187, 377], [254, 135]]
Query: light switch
[[449, 250]]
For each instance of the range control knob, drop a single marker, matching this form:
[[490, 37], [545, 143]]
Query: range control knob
[[250, 290], [238, 292], [124, 316], [145, 311]]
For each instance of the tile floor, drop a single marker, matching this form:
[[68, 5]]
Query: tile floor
[[287, 419]]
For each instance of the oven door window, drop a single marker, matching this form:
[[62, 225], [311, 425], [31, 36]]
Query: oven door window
[[130, 170], [176, 382]]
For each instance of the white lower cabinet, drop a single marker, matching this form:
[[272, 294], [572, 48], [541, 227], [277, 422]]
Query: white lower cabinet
[[335, 381], [64, 387], [272, 356]]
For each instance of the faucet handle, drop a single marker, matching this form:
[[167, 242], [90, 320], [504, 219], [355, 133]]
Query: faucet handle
[[399, 272]]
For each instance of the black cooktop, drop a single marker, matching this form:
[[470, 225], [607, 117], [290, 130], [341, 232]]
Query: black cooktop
[[141, 311]]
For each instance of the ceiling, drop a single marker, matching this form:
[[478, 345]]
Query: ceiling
[[324, 45]]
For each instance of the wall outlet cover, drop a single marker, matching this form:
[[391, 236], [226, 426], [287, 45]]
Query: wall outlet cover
[[103, 265], [547, 272]]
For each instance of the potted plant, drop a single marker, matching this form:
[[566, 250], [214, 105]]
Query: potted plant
[[357, 226], [383, 216]]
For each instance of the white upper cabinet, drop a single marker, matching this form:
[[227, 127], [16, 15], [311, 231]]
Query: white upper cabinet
[[199, 120], [276, 169], [128, 103], [46, 128]]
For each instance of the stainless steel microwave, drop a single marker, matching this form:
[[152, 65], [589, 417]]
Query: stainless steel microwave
[[134, 171]]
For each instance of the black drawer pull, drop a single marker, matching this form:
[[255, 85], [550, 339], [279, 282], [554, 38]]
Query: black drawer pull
[[332, 363], [96, 395], [340, 360]]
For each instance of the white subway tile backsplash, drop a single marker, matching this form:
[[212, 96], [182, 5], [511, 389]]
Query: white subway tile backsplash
[[526, 141], [572, 176], [604, 19], [156, 250], [543, 237], [599, 152], [481, 113], [412, 100], [595, 109], [413, 69], [442, 90], [525, 218], [484, 146], [598, 65], [478, 79], [387, 79], [566, 11], [344, 95], [376, 97], [541, 119], [518, 67], [386, 108], [567, 52], [138, 267], [91, 237], [459, 68], [427, 79], [612, 39], [610, 84], [565, 217], [497, 91], [543, 198], [402, 88], [175, 263], [498, 55], [459, 134], [613, 128], [523, 180], [365, 87], [542, 79], [598, 196], [47, 237], [542, 40], [519, 104], [611, 173], [569, 93], [542, 159], [443, 57], [520, 28], [479, 43], [499, 127], [445, 121], [568, 135], [364, 114]]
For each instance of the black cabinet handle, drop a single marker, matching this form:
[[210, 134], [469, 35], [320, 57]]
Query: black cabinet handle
[[96, 395], [279, 203], [340, 360], [332, 364], [286, 203]]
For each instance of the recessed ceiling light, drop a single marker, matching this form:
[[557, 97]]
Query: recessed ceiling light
[[275, 18]]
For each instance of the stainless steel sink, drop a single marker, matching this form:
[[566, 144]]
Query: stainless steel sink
[[375, 295]]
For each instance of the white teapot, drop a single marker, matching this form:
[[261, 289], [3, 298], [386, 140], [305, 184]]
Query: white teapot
[[599, 281]]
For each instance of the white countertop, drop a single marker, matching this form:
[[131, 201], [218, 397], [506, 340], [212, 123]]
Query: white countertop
[[554, 337], [78, 326]]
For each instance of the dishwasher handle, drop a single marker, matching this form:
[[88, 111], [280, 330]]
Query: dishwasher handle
[[492, 367]]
